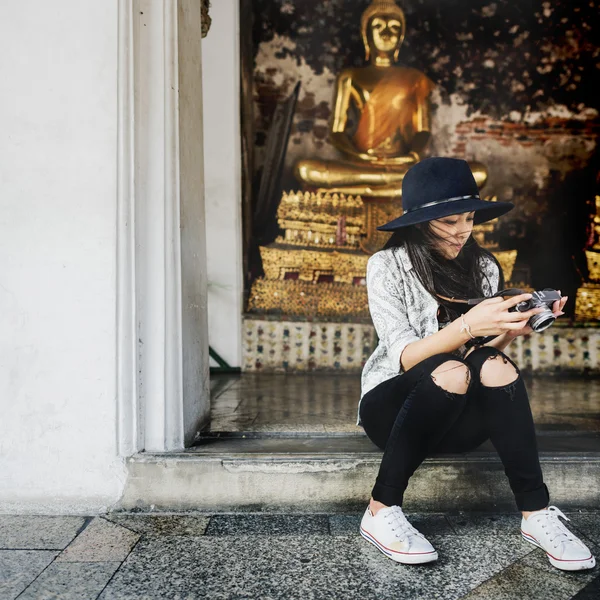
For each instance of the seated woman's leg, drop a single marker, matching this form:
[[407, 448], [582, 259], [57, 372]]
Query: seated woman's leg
[[423, 413], [502, 398]]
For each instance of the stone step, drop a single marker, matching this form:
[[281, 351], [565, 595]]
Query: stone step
[[247, 471]]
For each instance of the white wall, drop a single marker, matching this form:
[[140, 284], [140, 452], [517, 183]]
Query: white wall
[[220, 80], [58, 124]]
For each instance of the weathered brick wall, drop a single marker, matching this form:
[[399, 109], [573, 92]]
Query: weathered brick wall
[[552, 130]]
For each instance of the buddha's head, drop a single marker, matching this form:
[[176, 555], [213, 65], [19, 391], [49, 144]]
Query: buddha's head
[[383, 25]]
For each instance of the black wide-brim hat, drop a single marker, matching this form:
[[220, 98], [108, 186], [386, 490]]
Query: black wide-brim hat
[[439, 186]]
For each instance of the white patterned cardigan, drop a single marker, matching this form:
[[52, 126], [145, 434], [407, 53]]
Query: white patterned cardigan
[[403, 311]]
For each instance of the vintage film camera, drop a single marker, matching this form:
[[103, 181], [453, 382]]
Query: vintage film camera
[[542, 299], [539, 299]]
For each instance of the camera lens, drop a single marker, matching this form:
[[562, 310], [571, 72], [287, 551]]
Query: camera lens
[[542, 321]]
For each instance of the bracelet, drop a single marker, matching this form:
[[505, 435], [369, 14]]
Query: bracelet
[[465, 327]]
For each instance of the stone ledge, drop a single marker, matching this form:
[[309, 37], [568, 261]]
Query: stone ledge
[[190, 481]]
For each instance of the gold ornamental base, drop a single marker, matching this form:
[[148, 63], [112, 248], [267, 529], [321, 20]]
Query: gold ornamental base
[[587, 302], [286, 297], [308, 265]]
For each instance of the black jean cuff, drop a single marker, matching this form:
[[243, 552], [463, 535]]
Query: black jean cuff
[[387, 495], [537, 499]]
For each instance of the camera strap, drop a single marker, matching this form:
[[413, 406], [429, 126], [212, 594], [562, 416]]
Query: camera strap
[[507, 293]]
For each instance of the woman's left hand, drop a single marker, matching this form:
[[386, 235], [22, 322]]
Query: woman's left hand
[[557, 311]]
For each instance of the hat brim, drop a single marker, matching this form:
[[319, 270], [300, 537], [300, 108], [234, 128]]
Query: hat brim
[[484, 211]]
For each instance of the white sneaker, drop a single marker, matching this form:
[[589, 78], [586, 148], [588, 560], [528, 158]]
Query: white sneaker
[[389, 531], [564, 550]]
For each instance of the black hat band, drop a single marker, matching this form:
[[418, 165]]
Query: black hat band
[[436, 202]]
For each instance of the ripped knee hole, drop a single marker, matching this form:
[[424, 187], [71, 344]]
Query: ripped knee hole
[[458, 385], [498, 377]]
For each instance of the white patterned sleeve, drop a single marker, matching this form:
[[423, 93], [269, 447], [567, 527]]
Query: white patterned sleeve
[[492, 277], [387, 305]]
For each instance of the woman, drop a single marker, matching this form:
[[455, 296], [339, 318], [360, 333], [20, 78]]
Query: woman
[[439, 380]]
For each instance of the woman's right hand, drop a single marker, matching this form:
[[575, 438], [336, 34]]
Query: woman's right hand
[[491, 316]]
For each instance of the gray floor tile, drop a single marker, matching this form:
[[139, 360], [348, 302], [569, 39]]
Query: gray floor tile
[[287, 556], [427, 524], [590, 592], [18, 568], [101, 541], [301, 567], [482, 524], [586, 524], [241, 567], [71, 581], [521, 581], [38, 532], [162, 524], [267, 525]]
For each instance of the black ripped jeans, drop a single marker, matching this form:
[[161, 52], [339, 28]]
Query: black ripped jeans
[[411, 417]]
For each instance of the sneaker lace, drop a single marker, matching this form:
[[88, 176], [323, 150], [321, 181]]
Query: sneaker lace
[[556, 531], [400, 526]]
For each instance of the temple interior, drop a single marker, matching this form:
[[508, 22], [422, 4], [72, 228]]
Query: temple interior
[[483, 84], [338, 101]]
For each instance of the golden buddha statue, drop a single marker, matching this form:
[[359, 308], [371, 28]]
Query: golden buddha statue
[[392, 127]]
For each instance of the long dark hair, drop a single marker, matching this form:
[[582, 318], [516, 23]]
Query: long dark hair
[[460, 278]]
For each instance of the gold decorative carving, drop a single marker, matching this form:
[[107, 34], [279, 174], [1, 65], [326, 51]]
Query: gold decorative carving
[[593, 263], [316, 219], [587, 301], [308, 299], [315, 269], [309, 264], [376, 213], [596, 225]]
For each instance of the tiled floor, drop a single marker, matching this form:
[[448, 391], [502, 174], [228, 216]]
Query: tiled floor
[[327, 403], [268, 556], [289, 556]]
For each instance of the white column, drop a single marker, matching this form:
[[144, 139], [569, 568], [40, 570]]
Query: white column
[[163, 385], [222, 159]]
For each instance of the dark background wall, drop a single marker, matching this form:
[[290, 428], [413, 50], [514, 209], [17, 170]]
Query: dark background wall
[[515, 91]]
